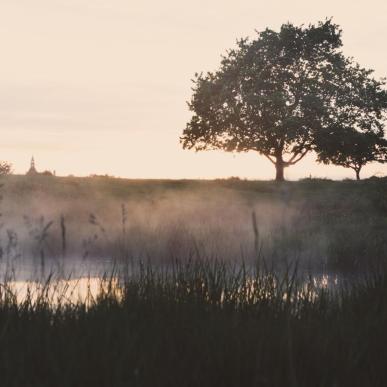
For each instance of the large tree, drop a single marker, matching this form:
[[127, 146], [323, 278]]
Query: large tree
[[350, 148], [275, 93]]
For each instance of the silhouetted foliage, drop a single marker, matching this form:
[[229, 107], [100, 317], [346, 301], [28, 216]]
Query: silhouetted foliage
[[276, 93], [352, 149], [47, 173], [5, 168]]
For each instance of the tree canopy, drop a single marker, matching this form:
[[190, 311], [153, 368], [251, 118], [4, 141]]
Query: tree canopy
[[350, 148], [278, 93]]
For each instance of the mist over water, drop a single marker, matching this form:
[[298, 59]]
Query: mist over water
[[86, 228], [78, 227]]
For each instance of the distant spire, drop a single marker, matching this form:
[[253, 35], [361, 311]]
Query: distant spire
[[32, 170]]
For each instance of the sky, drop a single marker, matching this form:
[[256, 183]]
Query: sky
[[100, 86]]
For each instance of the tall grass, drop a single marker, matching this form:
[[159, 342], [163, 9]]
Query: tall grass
[[198, 323], [201, 321]]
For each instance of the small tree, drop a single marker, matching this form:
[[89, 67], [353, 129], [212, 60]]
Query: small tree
[[274, 95], [352, 149], [5, 168], [47, 173]]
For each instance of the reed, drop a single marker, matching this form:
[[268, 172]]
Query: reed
[[197, 323]]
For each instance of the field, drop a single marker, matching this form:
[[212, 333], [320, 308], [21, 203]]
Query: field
[[321, 224], [210, 283]]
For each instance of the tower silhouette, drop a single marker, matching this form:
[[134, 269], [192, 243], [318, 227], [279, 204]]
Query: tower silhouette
[[32, 170]]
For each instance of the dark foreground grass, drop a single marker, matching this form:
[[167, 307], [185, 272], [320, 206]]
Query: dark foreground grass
[[200, 324]]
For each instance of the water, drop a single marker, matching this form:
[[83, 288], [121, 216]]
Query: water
[[60, 281], [75, 280]]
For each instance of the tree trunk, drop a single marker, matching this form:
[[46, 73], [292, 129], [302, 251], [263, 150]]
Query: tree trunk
[[279, 168], [357, 174]]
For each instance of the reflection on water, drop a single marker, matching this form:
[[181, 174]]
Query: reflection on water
[[83, 290], [33, 269], [80, 281], [86, 290], [326, 281], [68, 281]]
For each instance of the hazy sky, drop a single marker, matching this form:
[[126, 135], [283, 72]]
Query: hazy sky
[[100, 86]]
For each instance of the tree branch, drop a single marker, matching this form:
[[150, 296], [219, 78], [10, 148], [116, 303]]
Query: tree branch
[[296, 153], [295, 160], [269, 158]]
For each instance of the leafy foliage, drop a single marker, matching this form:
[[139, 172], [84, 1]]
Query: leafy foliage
[[274, 94], [352, 149]]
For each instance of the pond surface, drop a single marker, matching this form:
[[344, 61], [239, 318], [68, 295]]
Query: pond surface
[[74, 281], [60, 281]]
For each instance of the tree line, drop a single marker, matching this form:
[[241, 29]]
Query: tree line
[[285, 94]]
